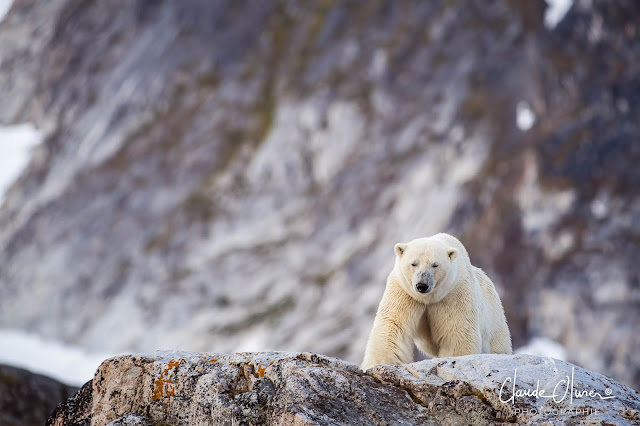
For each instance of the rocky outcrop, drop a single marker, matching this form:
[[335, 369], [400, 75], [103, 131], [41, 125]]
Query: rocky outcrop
[[27, 398], [180, 388], [216, 173]]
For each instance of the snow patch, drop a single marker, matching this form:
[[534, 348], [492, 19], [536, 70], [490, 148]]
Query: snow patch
[[525, 117], [543, 346], [16, 144], [600, 206], [556, 11], [5, 5], [67, 364]]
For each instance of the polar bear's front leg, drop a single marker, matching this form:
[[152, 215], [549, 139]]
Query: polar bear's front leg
[[391, 339]]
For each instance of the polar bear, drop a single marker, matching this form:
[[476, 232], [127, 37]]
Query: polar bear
[[436, 299]]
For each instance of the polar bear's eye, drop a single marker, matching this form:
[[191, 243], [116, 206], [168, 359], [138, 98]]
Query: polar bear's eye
[[435, 265], [414, 264]]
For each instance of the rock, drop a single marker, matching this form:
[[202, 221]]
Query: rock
[[189, 140], [131, 420], [185, 388], [27, 398], [76, 410]]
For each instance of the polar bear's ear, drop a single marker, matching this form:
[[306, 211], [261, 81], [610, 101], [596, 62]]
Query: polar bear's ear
[[452, 253], [400, 249]]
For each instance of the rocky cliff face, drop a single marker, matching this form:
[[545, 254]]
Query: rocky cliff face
[[180, 388], [233, 175]]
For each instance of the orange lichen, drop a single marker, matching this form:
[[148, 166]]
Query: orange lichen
[[163, 387], [261, 370], [212, 360], [271, 363]]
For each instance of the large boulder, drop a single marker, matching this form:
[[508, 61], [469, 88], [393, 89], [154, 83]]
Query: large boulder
[[28, 398], [184, 388]]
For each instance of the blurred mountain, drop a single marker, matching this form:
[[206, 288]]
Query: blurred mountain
[[233, 175]]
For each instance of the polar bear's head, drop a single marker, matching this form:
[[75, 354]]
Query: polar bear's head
[[429, 268]]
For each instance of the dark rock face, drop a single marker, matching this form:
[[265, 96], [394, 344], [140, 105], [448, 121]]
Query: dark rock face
[[27, 398], [216, 174], [75, 410], [181, 388]]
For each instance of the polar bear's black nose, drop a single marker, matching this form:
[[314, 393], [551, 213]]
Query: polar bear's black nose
[[423, 288]]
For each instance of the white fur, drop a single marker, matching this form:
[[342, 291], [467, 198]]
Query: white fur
[[461, 315]]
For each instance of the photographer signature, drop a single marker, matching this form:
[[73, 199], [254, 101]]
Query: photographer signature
[[557, 395]]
